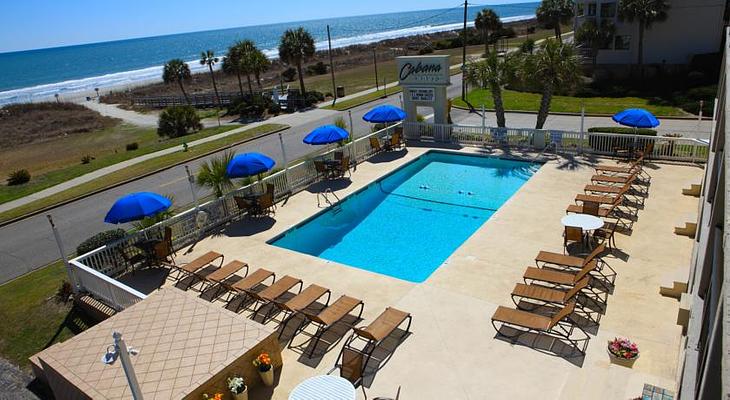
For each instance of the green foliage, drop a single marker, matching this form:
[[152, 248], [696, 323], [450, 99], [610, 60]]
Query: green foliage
[[486, 22], [253, 107], [623, 131], [296, 47], [420, 118], [177, 121], [212, 174], [147, 222], [425, 50], [18, 177], [86, 159], [528, 46], [552, 13], [340, 123], [132, 146], [176, 70], [289, 74], [319, 68], [99, 240], [313, 97]]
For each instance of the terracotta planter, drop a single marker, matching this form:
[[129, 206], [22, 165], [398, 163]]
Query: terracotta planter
[[241, 396], [624, 362], [267, 377]]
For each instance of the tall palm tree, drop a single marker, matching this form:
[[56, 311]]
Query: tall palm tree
[[232, 65], [552, 13], [589, 34], [646, 13], [212, 174], [259, 64], [208, 58], [176, 70], [246, 49], [554, 65], [487, 21], [297, 46], [492, 73]]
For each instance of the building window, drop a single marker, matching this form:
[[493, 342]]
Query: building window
[[591, 10], [579, 12], [608, 10], [622, 43]]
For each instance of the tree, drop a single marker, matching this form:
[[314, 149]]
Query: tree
[[212, 174], [232, 65], [492, 73], [527, 46], [176, 70], [178, 121], [554, 65], [646, 13], [592, 36], [208, 58], [259, 64], [296, 47], [487, 22], [553, 13]]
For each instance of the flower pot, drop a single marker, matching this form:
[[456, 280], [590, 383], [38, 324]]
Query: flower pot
[[267, 376], [241, 396], [624, 362]]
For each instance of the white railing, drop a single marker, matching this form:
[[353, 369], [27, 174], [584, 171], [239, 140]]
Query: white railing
[[102, 287], [663, 147]]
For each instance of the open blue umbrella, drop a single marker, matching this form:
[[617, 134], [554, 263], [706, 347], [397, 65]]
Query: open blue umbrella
[[384, 114], [326, 134], [636, 118], [248, 164], [136, 206]]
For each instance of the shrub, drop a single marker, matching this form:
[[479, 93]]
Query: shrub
[[274, 108], [18, 177], [313, 97], [319, 68], [86, 159], [528, 46], [98, 240], [340, 123], [178, 121], [420, 118], [425, 50], [289, 74], [132, 146], [625, 131]]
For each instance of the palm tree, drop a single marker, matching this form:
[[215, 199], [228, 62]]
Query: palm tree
[[554, 65], [492, 73], [646, 12], [487, 21], [594, 37], [259, 64], [212, 174], [552, 13], [296, 46], [246, 50], [176, 70], [208, 58], [232, 65]]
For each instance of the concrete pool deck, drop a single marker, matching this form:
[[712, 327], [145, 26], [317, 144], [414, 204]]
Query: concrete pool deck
[[453, 352]]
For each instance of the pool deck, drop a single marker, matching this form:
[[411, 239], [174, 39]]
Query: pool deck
[[453, 352]]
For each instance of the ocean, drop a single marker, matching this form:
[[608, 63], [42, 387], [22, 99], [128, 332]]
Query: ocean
[[36, 75]]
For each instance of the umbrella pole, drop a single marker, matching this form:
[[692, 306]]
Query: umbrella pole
[[286, 162]]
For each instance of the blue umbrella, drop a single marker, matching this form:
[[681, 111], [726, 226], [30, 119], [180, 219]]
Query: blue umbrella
[[636, 118], [385, 114], [136, 206], [326, 134], [248, 164]]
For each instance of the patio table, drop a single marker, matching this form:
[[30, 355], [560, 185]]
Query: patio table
[[586, 222], [323, 387]]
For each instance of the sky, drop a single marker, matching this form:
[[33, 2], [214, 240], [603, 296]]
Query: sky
[[32, 24]]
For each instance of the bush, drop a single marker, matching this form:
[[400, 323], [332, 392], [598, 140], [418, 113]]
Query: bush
[[274, 108], [98, 240], [86, 159], [289, 74], [528, 46], [253, 107], [625, 131], [313, 97], [178, 121], [340, 123], [132, 146], [319, 68], [18, 177], [425, 50]]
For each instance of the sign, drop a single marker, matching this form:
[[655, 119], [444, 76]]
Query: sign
[[422, 94], [424, 70]]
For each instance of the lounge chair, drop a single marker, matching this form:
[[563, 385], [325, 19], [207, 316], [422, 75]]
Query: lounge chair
[[560, 260], [615, 169], [593, 209], [223, 273], [328, 317], [375, 145], [273, 292], [249, 282], [383, 326], [300, 302], [525, 297], [191, 268], [560, 326], [567, 277], [598, 199], [613, 179]]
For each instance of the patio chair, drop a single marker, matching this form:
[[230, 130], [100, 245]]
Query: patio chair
[[343, 167], [303, 300], [351, 368], [395, 141], [572, 234], [321, 169], [191, 268], [560, 326], [606, 234], [245, 205], [593, 208], [382, 327], [375, 145], [560, 260], [273, 292], [223, 273], [329, 317], [249, 282], [532, 297]]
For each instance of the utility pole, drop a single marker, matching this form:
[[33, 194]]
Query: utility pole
[[375, 62], [463, 55], [332, 66]]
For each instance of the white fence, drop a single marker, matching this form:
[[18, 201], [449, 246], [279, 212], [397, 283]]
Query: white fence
[[111, 261]]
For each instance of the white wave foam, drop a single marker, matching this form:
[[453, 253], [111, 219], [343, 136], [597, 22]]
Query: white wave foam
[[77, 88]]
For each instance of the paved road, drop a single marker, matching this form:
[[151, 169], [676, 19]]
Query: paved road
[[29, 243]]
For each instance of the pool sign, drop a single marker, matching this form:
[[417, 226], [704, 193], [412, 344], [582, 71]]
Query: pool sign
[[422, 94], [423, 70]]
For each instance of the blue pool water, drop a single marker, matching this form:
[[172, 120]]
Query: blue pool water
[[409, 222]]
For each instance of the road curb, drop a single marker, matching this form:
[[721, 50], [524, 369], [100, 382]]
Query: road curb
[[124, 182], [679, 118]]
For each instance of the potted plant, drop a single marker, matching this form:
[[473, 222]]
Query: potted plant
[[238, 388], [623, 352], [217, 396], [263, 364]]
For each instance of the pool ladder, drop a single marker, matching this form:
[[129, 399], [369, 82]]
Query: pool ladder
[[323, 197]]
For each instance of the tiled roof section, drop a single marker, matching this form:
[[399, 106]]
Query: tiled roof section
[[182, 341]]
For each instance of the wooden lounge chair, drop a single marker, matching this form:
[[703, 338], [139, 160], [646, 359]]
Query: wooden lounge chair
[[300, 302], [598, 199], [190, 269], [328, 317], [613, 179], [567, 277], [273, 292], [615, 169], [223, 273], [561, 260], [560, 326], [590, 208], [375, 145], [250, 281], [532, 297], [608, 189], [383, 326]]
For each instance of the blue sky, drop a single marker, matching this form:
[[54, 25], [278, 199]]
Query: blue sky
[[31, 24]]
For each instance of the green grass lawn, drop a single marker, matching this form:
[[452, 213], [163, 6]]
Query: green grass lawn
[[140, 169], [523, 101]]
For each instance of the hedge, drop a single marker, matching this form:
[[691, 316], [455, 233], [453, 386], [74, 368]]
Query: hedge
[[98, 240], [610, 144], [626, 131]]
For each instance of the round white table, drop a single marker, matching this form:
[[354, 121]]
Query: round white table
[[583, 221], [323, 387]]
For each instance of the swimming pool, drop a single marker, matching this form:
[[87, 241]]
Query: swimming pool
[[409, 222]]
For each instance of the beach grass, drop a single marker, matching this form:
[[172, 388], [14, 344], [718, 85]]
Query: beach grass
[[140, 169], [524, 101]]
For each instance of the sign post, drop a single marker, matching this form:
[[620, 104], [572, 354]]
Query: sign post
[[424, 80]]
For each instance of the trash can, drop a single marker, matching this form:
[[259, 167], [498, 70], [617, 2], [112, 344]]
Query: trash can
[[340, 91]]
